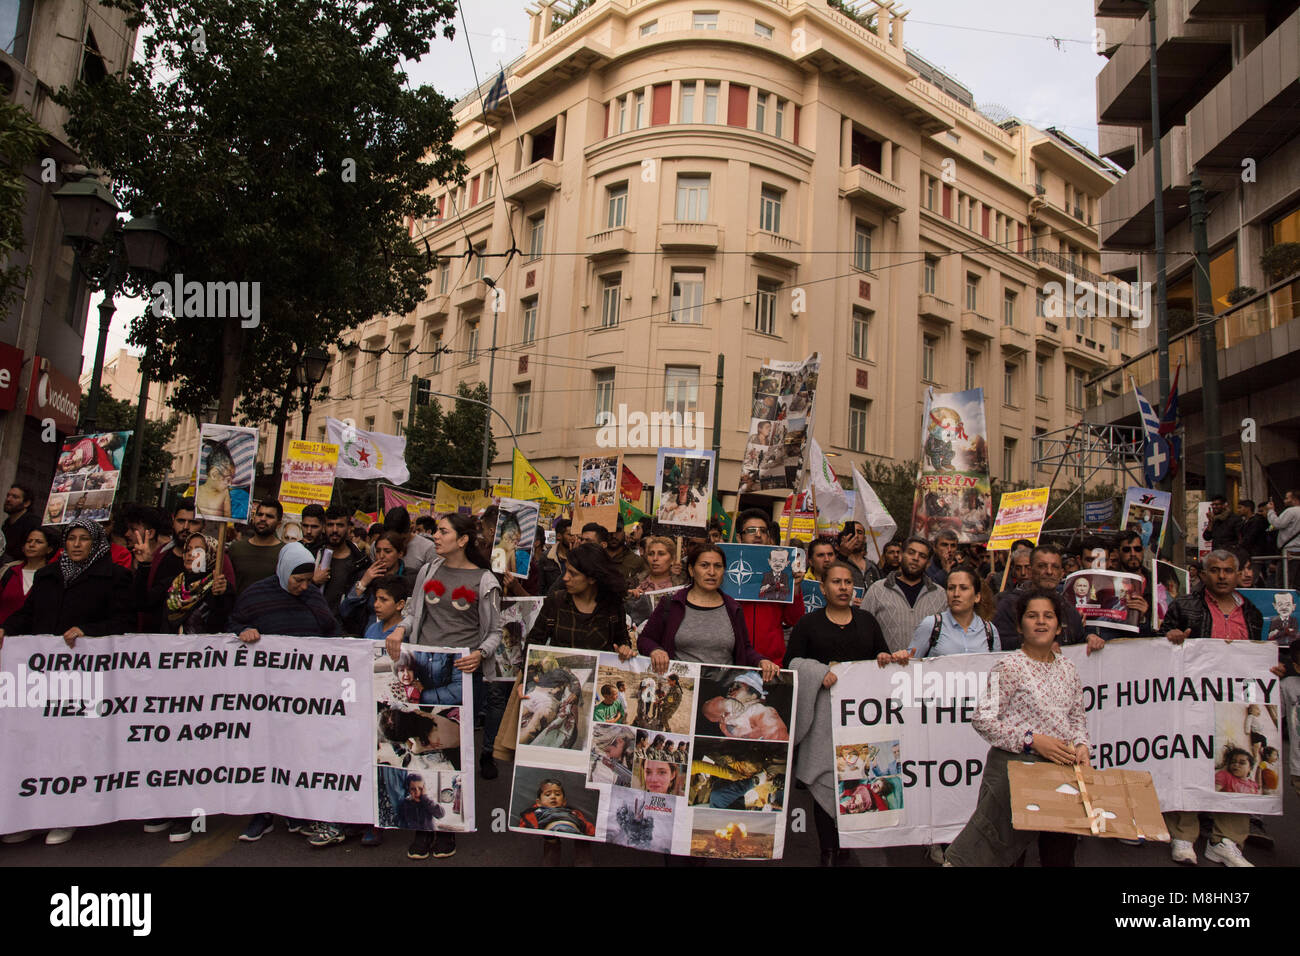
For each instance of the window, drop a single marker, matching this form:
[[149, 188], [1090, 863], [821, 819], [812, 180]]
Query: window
[[523, 402], [692, 198], [865, 151], [397, 424], [1040, 305], [1114, 335], [444, 274], [711, 91], [1008, 459], [778, 128], [769, 209], [970, 215], [858, 423], [605, 396], [374, 371], [688, 297], [530, 320], [929, 275], [929, 344], [861, 334], [990, 158], [760, 112], [765, 307], [616, 206], [1008, 384], [349, 369], [930, 186], [704, 21], [620, 115], [404, 349], [543, 144], [1074, 393], [471, 346], [971, 359], [536, 235], [1008, 308], [437, 352], [370, 423], [681, 389], [650, 29], [862, 247], [487, 183], [638, 111], [763, 30], [972, 292], [687, 110], [1040, 377], [480, 260], [611, 292]]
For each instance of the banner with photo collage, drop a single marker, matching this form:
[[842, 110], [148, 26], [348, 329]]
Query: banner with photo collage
[[952, 483], [597, 497], [779, 426], [692, 762], [421, 741], [86, 477]]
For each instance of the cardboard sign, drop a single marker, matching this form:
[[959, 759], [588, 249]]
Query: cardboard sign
[[1020, 515], [597, 498], [1112, 804]]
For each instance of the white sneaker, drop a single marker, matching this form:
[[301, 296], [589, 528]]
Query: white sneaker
[[21, 836], [1182, 851], [157, 826], [60, 835], [1227, 853]]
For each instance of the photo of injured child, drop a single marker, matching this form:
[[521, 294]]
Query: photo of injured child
[[422, 738], [735, 702], [417, 677], [558, 692], [738, 775], [554, 802], [870, 796], [861, 761]]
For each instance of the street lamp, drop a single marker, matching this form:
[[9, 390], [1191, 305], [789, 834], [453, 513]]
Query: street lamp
[[307, 374]]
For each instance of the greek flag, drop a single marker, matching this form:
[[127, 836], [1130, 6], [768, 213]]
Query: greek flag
[[1150, 420], [496, 94], [1156, 457]]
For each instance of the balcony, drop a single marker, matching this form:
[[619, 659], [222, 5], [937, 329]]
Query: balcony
[[609, 242], [1013, 340], [471, 293], [976, 326], [858, 182], [1126, 212], [1237, 10], [689, 236], [1063, 265], [932, 307], [775, 249], [1047, 331], [540, 178], [1119, 8], [1118, 144], [1083, 349], [434, 307]]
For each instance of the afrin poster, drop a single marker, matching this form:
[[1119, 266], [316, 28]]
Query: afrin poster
[[416, 504], [779, 426], [908, 763], [684, 481], [760, 572], [421, 741], [693, 761], [308, 477], [515, 537], [597, 498], [148, 726], [226, 469], [1101, 598], [952, 485], [86, 478], [517, 617], [1147, 513], [1020, 515]]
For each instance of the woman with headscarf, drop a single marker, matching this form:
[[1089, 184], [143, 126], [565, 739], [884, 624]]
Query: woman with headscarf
[[199, 598]]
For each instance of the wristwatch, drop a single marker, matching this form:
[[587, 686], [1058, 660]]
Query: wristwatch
[[1029, 741]]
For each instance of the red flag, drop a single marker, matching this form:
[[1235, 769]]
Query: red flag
[[629, 485]]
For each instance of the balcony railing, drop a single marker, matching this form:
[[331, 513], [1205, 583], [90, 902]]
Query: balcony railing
[[1060, 263]]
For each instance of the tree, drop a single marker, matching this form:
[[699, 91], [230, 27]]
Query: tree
[[117, 415], [895, 484], [449, 443], [278, 140], [20, 137]]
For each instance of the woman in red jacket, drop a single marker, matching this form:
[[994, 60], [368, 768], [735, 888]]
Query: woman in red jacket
[[765, 620]]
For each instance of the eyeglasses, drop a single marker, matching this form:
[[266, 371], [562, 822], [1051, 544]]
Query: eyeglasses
[[752, 531], [1129, 549]]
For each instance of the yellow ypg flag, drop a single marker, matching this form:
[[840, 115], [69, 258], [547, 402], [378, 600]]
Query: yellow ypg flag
[[529, 485]]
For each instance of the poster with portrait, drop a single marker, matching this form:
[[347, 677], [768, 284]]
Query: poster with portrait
[[1248, 747], [1101, 598], [1171, 582], [1202, 526], [597, 496], [517, 617], [226, 464], [684, 480], [952, 484], [515, 536], [759, 572], [308, 477], [421, 741], [688, 760], [1279, 609], [1146, 511], [779, 425], [86, 477]]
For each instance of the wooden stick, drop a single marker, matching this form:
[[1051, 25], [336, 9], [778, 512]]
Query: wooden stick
[[221, 551], [1006, 569], [1083, 795]]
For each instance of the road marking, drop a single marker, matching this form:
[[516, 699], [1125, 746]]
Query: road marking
[[204, 849]]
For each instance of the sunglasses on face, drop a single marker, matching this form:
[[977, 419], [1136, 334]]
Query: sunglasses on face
[[1129, 550]]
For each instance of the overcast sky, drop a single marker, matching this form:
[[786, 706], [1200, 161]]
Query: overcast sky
[[1001, 51]]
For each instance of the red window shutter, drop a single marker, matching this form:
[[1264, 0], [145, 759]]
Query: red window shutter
[[1020, 238], [737, 105], [606, 120], [660, 104], [947, 202], [473, 190], [985, 230], [864, 289], [442, 205], [796, 125], [862, 378]]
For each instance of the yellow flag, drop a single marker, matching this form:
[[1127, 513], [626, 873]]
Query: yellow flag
[[529, 485]]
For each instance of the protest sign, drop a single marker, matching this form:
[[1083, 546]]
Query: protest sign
[[515, 536], [308, 477], [1278, 607], [421, 740], [683, 490], [778, 428], [1170, 582], [759, 572], [1147, 512], [693, 761], [800, 526], [597, 498], [1112, 804], [449, 500], [1202, 526], [416, 504], [1152, 706], [1098, 512], [517, 617], [952, 485], [1020, 515], [226, 469], [86, 477], [1101, 597]]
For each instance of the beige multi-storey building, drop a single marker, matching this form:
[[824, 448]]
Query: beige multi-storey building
[[751, 179]]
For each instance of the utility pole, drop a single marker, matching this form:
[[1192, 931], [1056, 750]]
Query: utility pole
[[1162, 309], [717, 416], [1215, 477], [492, 363]]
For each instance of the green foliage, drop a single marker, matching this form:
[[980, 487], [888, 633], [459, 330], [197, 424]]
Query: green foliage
[[283, 146], [866, 20], [895, 483], [450, 443], [1240, 294], [1071, 515], [117, 415], [20, 138], [1280, 261]]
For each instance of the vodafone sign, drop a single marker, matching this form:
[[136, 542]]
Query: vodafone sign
[[54, 395]]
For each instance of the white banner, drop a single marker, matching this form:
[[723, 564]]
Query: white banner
[[1202, 718]]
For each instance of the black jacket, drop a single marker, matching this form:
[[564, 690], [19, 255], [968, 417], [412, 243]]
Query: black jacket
[[100, 602], [1254, 535], [1190, 613], [1223, 532], [1004, 619]]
